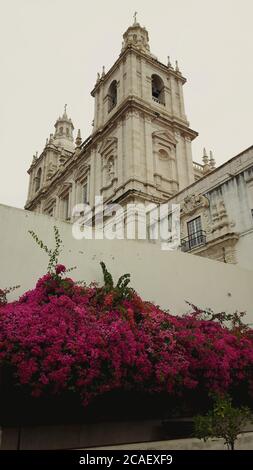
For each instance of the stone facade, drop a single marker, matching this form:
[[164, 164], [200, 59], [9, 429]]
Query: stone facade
[[140, 146], [222, 201]]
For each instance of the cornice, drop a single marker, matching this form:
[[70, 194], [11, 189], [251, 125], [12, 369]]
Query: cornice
[[142, 106]]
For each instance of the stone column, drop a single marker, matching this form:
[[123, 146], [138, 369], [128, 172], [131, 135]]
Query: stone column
[[143, 80], [72, 199], [180, 159], [174, 104], [57, 207], [181, 96], [30, 187], [120, 137], [92, 178], [167, 96], [128, 146], [149, 150], [134, 90], [188, 158]]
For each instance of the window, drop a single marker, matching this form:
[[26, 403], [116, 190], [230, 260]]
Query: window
[[158, 89], [85, 191], [112, 95], [194, 229], [38, 180], [61, 130]]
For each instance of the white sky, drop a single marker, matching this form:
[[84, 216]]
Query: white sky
[[51, 51]]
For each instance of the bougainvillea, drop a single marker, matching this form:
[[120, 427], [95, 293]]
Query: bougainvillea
[[63, 336]]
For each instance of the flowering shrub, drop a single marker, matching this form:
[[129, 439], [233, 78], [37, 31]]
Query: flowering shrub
[[63, 336]]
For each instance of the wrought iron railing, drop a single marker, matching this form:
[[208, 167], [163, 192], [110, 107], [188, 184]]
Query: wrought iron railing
[[157, 100], [193, 241]]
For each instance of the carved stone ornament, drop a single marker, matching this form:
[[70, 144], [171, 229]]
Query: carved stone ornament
[[52, 168], [193, 202], [108, 145], [220, 220]]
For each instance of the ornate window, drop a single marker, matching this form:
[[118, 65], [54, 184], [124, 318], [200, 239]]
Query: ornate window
[[157, 89], [38, 180], [112, 96], [194, 228]]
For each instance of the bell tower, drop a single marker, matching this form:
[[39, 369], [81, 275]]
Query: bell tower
[[140, 147], [140, 117], [63, 135]]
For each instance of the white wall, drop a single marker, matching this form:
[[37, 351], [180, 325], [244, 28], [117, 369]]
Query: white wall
[[244, 250], [167, 278]]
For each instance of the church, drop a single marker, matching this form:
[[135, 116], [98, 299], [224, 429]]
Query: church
[[146, 363], [139, 152]]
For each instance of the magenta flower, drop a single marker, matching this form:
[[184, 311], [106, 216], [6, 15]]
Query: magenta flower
[[61, 336], [60, 268]]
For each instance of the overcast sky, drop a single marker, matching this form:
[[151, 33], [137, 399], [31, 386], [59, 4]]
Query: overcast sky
[[51, 51]]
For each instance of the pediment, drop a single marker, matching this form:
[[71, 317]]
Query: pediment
[[64, 188], [165, 137], [108, 144], [81, 171]]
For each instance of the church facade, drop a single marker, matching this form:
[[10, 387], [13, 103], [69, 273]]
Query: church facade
[[139, 150]]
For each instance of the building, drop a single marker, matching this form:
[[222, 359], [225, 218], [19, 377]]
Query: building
[[139, 151], [217, 213], [140, 146]]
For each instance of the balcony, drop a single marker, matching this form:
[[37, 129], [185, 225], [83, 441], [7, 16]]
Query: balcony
[[157, 101], [193, 241]]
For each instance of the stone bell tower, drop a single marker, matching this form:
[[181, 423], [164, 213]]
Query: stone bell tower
[[140, 147], [145, 138]]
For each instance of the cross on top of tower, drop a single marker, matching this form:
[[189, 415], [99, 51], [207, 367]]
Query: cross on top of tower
[[135, 17]]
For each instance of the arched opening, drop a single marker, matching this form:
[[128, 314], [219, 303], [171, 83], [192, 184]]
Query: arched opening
[[38, 180], [112, 95], [158, 89]]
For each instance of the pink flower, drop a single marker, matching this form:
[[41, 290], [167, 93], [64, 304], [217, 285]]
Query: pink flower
[[108, 300], [60, 336], [60, 268]]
